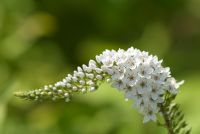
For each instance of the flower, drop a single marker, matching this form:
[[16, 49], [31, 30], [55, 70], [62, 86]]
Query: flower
[[140, 76], [149, 114], [156, 90], [118, 84], [130, 77]]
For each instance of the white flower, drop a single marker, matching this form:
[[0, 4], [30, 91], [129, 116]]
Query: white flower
[[140, 76], [83, 90], [66, 94], [75, 79], [118, 84], [121, 57], [46, 88], [107, 58], [82, 82], [143, 85], [80, 74], [79, 69], [130, 92], [90, 76], [140, 101], [145, 70], [90, 83], [98, 70], [118, 72], [131, 63], [92, 64], [99, 77], [173, 85], [60, 91], [156, 90], [130, 77], [92, 89], [149, 116], [68, 85], [74, 88]]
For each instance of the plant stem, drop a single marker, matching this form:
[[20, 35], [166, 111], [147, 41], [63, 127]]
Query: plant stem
[[173, 116], [168, 122]]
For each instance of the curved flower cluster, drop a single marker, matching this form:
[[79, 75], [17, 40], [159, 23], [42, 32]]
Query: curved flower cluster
[[84, 79], [140, 76]]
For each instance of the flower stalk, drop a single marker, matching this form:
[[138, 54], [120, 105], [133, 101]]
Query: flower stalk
[[173, 116]]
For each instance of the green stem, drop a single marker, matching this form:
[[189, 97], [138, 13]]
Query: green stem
[[173, 116], [168, 122]]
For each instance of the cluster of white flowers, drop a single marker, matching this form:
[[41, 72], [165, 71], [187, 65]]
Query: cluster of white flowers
[[140, 76], [84, 79]]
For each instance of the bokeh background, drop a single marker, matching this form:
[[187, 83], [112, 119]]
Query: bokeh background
[[43, 40]]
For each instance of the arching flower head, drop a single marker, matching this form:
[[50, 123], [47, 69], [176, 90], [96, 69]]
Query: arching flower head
[[140, 76]]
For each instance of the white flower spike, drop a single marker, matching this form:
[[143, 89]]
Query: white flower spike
[[140, 77]]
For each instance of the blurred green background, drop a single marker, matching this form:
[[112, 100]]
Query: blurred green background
[[43, 40]]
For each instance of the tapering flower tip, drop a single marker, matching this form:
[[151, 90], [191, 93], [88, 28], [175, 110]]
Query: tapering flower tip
[[85, 79], [26, 95], [140, 76], [19, 94]]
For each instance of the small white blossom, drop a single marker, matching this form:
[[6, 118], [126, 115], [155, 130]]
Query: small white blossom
[[84, 67], [54, 88], [108, 80], [46, 88], [118, 72], [79, 69], [49, 93], [68, 85], [74, 88], [156, 90], [92, 89], [80, 74], [75, 79], [173, 85], [83, 90], [90, 76], [130, 77], [90, 83], [98, 70], [145, 70], [60, 91], [149, 114], [66, 94], [82, 82], [118, 84], [99, 77]]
